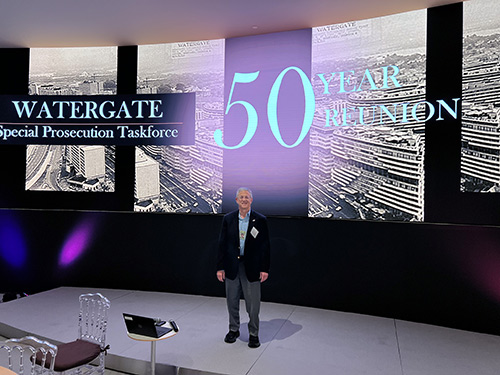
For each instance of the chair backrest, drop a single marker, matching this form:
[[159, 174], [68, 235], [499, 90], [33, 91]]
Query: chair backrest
[[24, 354], [93, 318]]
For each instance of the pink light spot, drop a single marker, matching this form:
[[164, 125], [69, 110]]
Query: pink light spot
[[76, 243]]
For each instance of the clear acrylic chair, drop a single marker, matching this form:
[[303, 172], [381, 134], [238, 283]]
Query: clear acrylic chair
[[86, 354], [28, 355]]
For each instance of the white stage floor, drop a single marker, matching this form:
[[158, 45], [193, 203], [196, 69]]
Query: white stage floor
[[295, 340]]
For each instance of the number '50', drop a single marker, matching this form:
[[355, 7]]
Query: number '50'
[[272, 108]]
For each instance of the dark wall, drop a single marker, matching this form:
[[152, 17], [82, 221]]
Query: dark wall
[[441, 272], [438, 274]]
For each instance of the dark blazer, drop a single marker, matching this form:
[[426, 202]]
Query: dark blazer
[[257, 248]]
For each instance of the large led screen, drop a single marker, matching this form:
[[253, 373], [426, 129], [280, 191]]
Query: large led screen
[[326, 122], [480, 157], [323, 122]]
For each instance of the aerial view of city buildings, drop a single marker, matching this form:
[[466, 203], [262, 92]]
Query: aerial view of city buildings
[[366, 152], [71, 71], [189, 178], [480, 157]]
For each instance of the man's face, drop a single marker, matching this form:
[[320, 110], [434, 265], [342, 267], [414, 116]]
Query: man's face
[[244, 200]]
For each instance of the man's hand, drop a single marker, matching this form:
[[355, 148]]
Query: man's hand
[[263, 276], [221, 275]]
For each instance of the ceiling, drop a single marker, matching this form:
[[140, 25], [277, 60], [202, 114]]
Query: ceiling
[[78, 23]]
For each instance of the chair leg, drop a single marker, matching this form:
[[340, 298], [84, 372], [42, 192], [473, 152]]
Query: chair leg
[[101, 363]]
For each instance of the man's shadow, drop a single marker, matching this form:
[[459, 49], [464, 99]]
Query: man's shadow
[[272, 330]]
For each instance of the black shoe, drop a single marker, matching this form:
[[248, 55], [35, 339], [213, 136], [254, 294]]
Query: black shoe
[[253, 341], [231, 336]]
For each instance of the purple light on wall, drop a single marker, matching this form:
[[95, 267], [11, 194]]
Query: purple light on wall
[[77, 242], [12, 244], [480, 262], [484, 269]]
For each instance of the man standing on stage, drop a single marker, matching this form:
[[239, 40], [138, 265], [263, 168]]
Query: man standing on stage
[[243, 263]]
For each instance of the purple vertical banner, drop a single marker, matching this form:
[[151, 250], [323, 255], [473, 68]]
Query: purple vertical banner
[[269, 105]]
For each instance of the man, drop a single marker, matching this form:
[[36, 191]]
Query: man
[[243, 263]]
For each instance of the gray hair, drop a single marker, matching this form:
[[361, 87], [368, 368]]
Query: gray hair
[[244, 189]]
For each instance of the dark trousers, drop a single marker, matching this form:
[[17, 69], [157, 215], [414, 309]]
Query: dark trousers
[[251, 293]]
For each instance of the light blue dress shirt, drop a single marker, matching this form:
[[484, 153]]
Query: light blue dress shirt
[[243, 226]]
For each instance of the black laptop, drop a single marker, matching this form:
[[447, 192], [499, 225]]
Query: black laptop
[[141, 325]]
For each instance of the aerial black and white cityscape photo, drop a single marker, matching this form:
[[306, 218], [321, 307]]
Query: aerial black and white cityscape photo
[[183, 178], [71, 71], [480, 157], [367, 141]]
